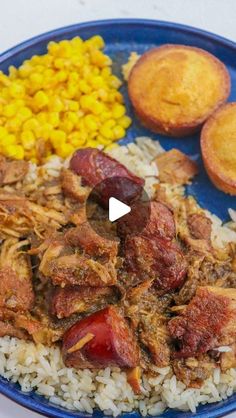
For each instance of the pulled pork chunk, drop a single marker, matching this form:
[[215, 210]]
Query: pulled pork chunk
[[16, 290], [12, 171], [7, 328], [91, 243], [78, 299], [19, 216], [193, 371], [146, 313], [199, 226], [77, 269], [72, 187], [209, 321], [175, 167], [203, 270]]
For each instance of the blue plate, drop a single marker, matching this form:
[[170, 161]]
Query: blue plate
[[123, 36]]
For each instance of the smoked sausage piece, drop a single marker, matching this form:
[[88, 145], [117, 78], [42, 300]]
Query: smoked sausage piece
[[155, 218], [111, 178], [100, 340]]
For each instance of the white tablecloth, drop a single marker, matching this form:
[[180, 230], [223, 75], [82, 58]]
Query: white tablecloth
[[22, 19]]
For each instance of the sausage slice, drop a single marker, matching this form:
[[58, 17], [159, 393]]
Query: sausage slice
[[100, 340]]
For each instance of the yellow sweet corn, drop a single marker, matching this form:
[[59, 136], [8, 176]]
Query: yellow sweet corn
[[14, 151], [118, 132], [65, 99]]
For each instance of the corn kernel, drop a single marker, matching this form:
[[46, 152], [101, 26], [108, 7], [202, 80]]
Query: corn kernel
[[73, 105], [9, 110], [76, 139], [118, 132], [41, 99], [97, 107], [56, 104], [106, 131], [9, 139], [14, 124], [114, 82], [44, 131], [86, 102], [3, 132], [102, 140], [125, 121], [64, 150], [15, 151], [16, 90], [36, 79], [92, 143], [66, 126], [30, 124], [61, 76], [91, 122], [54, 119], [97, 41], [57, 137], [118, 111], [28, 140], [84, 87], [24, 113], [97, 82]]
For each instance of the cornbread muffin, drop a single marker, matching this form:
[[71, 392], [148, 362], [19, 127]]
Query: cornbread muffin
[[218, 145], [175, 88]]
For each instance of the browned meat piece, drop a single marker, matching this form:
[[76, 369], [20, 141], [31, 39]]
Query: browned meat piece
[[12, 331], [77, 299], [175, 167], [199, 226], [96, 167], [155, 336], [78, 270], [12, 171], [193, 372], [146, 312], [16, 290], [156, 218], [157, 259], [72, 187], [49, 250], [204, 270], [24, 325], [93, 244], [101, 340], [209, 321], [39, 331]]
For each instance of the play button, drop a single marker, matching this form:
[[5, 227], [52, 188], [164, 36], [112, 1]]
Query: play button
[[117, 209], [117, 206]]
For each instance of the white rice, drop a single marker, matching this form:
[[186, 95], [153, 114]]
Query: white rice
[[41, 368]]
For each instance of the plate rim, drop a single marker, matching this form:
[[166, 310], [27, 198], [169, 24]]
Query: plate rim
[[106, 22], [19, 397]]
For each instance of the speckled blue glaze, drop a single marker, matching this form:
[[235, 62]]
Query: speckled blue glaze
[[123, 36]]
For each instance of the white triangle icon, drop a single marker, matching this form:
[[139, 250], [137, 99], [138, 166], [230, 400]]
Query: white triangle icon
[[117, 209]]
